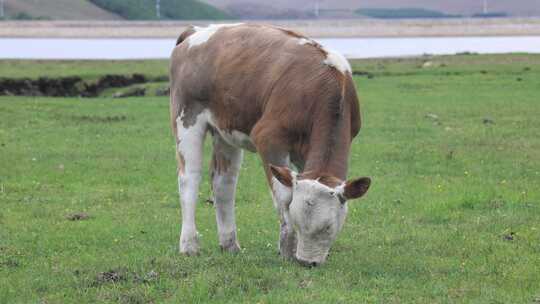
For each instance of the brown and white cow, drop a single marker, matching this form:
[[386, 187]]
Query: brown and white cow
[[282, 95]]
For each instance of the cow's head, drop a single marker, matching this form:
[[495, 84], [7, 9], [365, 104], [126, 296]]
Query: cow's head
[[316, 210]]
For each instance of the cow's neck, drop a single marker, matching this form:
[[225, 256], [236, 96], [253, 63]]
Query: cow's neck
[[328, 150]]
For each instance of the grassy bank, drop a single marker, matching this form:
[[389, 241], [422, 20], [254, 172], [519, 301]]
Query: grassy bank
[[89, 210]]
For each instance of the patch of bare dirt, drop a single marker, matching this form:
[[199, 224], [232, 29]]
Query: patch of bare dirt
[[99, 119], [79, 216], [111, 276], [66, 86]]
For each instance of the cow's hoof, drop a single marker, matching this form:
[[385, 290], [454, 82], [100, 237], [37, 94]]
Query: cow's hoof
[[190, 246], [189, 252], [231, 248], [229, 243]]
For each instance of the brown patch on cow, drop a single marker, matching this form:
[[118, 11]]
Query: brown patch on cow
[[356, 188], [325, 179], [291, 33], [319, 48], [182, 107], [189, 117], [181, 162], [329, 180], [260, 81], [282, 174], [312, 42], [220, 164]]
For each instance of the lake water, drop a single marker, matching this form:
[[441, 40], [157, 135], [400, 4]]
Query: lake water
[[22, 48]]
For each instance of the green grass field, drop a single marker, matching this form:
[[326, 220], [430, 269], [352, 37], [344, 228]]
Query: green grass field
[[453, 215]]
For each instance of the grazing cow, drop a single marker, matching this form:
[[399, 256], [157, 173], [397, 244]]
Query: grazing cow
[[271, 91]]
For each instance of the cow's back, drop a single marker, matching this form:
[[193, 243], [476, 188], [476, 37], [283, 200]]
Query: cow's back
[[241, 73]]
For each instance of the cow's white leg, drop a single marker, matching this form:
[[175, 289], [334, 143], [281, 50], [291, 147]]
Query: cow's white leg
[[273, 149], [226, 162], [190, 139], [282, 196]]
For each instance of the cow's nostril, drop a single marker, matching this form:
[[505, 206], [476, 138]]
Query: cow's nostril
[[307, 263]]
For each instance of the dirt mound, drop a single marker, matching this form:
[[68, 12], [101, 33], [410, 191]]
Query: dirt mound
[[66, 86]]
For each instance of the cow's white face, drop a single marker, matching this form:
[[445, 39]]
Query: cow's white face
[[316, 215], [317, 212]]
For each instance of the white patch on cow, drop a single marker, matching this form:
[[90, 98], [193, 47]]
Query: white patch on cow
[[180, 117], [190, 144], [338, 61], [317, 215], [340, 190], [304, 41], [282, 198], [281, 194], [203, 34], [315, 184], [224, 188], [188, 136]]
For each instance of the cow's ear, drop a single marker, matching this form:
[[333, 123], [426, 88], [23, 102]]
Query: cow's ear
[[355, 188], [283, 175]]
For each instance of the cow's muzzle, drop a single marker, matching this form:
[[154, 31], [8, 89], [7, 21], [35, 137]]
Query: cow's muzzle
[[309, 264]]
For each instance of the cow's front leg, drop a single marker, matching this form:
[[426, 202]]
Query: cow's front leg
[[273, 149], [190, 139], [226, 162], [282, 197], [287, 240]]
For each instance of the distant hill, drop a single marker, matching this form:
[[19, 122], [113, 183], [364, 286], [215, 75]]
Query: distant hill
[[169, 9], [57, 9], [450, 7], [111, 10], [387, 13], [265, 11], [257, 9]]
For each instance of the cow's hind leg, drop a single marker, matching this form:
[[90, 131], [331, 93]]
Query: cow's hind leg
[[190, 140], [226, 162]]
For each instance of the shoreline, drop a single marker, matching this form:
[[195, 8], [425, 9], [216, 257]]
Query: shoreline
[[347, 28]]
